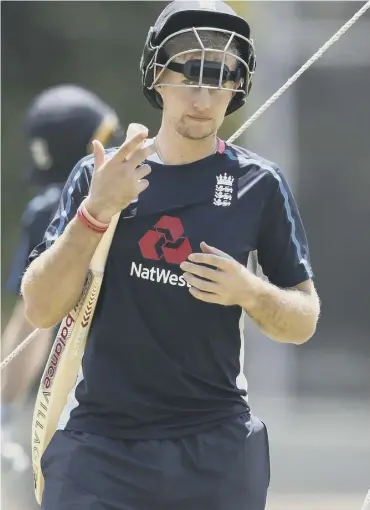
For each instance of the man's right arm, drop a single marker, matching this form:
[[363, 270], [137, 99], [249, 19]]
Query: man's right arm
[[54, 281]]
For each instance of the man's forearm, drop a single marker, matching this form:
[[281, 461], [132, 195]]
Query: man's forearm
[[54, 281], [285, 315]]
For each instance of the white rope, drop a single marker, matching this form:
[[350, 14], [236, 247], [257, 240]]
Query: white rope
[[241, 130], [20, 348], [300, 71]]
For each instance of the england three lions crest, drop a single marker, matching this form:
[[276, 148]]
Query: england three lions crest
[[224, 190]]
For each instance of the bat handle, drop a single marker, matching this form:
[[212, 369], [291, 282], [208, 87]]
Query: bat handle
[[99, 259]]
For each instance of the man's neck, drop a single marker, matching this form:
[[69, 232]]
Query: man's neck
[[174, 149]]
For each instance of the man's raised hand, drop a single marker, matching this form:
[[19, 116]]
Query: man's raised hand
[[119, 179]]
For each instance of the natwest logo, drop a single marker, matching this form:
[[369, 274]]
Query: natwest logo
[[166, 241]]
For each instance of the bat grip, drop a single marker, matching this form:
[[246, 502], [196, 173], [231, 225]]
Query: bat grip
[[99, 259]]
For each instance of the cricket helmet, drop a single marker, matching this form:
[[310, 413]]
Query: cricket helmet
[[60, 125], [197, 17]]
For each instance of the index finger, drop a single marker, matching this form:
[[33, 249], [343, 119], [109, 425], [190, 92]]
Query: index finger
[[129, 146]]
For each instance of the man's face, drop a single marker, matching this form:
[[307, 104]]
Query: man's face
[[195, 112]]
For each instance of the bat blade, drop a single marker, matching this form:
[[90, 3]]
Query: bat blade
[[61, 371], [60, 374]]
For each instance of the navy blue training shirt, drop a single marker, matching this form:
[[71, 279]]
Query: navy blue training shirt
[[35, 220], [159, 363]]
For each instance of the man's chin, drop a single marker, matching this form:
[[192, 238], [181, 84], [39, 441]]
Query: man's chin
[[197, 132]]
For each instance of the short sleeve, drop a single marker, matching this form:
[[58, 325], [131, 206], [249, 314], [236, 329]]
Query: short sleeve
[[74, 191], [35, 221], [283, 251]]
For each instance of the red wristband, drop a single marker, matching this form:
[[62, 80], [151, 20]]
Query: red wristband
[[85, 217]]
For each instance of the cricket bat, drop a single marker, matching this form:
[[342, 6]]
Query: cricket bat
[[61, 371]]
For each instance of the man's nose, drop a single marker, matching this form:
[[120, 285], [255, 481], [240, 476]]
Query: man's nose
[[202, 99]]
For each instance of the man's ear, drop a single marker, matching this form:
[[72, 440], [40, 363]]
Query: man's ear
[[237, 85]]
